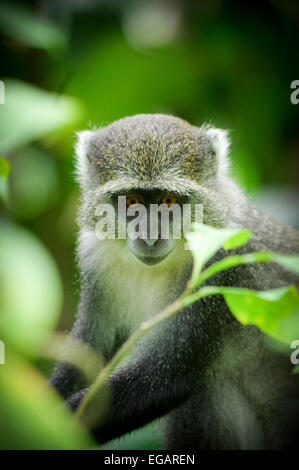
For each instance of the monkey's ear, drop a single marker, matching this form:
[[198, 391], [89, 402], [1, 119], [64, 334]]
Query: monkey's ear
[[82, 161], [219, 144]]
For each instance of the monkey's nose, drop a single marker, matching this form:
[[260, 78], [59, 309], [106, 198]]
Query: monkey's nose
[[150, 242]]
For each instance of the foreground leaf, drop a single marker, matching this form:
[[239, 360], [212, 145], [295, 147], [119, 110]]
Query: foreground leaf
[[27, 268], [276, 311], [31, 113], [32, 416], [22, 24], [4, 168], [205, 241], [4, 173]]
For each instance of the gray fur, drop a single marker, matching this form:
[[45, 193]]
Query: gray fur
[[218, 382]]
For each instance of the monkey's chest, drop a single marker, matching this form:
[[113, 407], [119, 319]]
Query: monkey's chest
[[138, 301], [124, 309]]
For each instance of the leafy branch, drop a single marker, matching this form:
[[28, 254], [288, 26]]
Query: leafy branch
[[275, 311]]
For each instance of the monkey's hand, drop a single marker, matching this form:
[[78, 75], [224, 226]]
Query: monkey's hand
[[74, 401], [157, 377]]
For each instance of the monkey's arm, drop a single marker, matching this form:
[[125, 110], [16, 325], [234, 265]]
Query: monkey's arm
[[158, 376], [67, 379]]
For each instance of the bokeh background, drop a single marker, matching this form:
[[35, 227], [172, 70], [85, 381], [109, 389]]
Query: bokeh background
[[70, 65]]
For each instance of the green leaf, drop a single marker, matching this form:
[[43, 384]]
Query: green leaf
[[276, 312], [4, 173], [30, 289], [32, 415], [4, 168], [31, 113], [23, 25], [34, 173], [205, 241], [239, 239], [229, 262]]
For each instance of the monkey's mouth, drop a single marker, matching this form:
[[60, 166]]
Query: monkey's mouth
[[150, 260]]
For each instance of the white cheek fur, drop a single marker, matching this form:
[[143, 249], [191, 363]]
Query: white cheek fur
[[138, 291], [81, 160]]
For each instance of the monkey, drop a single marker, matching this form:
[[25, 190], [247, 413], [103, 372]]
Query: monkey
[[213, 382]]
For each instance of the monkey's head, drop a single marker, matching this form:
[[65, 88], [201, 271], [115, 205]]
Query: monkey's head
[[151, 160]]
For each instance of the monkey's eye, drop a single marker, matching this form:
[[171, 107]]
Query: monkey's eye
[[132, 201], [168, 199]]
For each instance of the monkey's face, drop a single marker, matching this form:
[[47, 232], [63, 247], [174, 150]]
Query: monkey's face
[[153, 224], [151, 160]]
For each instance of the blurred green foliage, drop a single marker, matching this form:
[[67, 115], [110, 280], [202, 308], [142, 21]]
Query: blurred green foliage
[[31, 413], [4, 173], [30, 114], [23, 25], [30, 289], [69, 65]]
